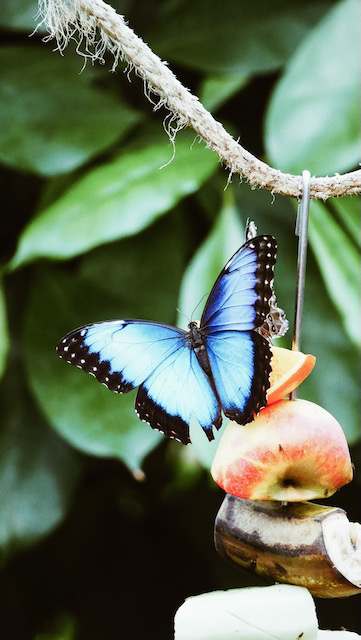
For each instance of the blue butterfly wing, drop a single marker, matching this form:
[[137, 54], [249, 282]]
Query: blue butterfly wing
[[240, 364], [159, 359], [238, 304], [176, 389], [240, 296]]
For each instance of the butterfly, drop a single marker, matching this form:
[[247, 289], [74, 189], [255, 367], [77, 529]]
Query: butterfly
[[220, 364]]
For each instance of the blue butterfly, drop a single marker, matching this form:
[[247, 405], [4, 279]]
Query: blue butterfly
[[220, 364]]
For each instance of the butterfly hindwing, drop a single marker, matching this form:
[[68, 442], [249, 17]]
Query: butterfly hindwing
[[157, 358], [175, 390], [240, 363]]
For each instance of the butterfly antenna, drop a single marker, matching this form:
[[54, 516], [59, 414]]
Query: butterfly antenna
[[183, 314], [197, 305]]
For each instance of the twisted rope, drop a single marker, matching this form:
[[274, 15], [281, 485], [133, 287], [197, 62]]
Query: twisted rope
[[102, 29]]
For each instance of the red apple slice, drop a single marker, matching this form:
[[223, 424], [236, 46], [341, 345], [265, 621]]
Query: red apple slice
[[293, 451], [289, 369]]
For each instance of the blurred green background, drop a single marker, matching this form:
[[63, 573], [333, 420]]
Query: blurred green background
[[106, 527]]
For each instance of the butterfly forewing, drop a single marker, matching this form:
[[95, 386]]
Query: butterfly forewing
[[240, 296], [120, 353], [239, 302]]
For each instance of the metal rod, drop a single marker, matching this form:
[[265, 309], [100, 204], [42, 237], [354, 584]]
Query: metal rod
[[302, 232]]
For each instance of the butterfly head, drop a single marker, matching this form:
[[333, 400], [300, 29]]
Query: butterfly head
[[194, 324]]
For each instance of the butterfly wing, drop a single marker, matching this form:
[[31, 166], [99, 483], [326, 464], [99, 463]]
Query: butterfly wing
[[238, 303], [240, 363], [275, 324], [240, 296], [159, 359], [175, 390]]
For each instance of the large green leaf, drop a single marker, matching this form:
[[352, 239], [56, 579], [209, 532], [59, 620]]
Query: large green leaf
[[63, 627], [137, 277], [238, 37], [19, 15], [117, 199], [314, 115], [215, 90], [205, 266], [82, 411], [347, 210], [38, 471], [335, 382], [339, 262], [53, 118]]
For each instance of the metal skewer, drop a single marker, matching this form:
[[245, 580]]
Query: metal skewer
[[301, 231]]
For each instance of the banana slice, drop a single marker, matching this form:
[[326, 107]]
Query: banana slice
[[302, 543]]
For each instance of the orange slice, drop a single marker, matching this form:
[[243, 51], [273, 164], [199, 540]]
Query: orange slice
[[289, 369]]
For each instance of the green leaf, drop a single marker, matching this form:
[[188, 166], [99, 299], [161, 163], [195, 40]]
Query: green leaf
[[118, 199], [335, 382], [63, 627], [46, 127], [215, 90], [19, 15], [4, 334], [347, 209], [239, 37], [313, 118], [202, 272], [84, 412], [339, 262], [38, 471], [81, 410], [202, 450], [140, 276]]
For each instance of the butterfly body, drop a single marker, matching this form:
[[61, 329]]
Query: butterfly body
[[197, 341], [220, 364]]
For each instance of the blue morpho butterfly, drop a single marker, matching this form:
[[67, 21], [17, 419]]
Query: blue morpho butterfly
[[220, 364]]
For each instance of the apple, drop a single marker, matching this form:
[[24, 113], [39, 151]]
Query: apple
[[293, 451]]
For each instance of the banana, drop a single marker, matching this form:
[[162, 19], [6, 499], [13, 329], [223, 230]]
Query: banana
[[302, 543]]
